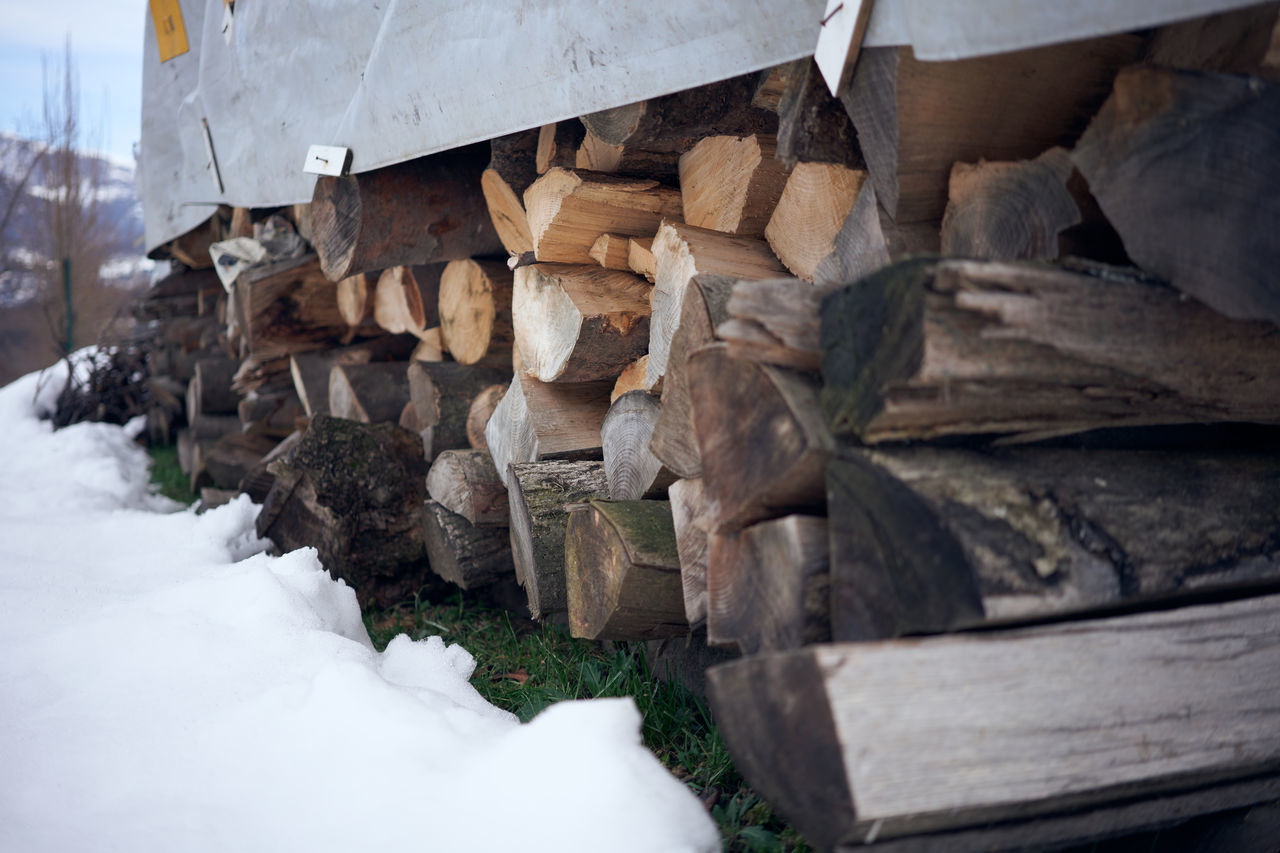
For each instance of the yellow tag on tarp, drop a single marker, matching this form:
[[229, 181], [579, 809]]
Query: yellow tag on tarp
[[171, 33]]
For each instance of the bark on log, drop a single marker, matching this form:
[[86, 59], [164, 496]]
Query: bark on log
[[462, 553], [192, 248], [689, 517], [1005, 725], [1009, 211], [579, 323], [622, 572], [732, 184], [539, 493], [286, 307], [212, 427], [546, 420], [259, 479], [928, 540], [775, 321], [568, 210], [599, 156], [481, 409], [682, 251], [1239, 41], [768, 586], [423, 210], [512, 167], [915, 119], [705, 306], [632, 469], [310, 371], [922, 350], [272, 413], [369, 393], [475, 311], [558, 145], [1182, 164], [442, 393], [209, 391], [228, 459], [813, 127], [761, 438], [354, 492], [466, 483]]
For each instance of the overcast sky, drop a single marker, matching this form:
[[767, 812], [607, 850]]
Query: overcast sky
[[106, 42]]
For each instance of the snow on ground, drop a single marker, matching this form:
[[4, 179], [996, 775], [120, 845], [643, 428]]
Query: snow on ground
[[165, 685]]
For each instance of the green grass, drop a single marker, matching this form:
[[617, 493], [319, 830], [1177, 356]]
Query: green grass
[[168, 476], [524, 667]]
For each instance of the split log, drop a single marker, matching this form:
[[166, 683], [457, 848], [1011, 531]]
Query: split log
[[774, 321], [546, 420], [634, 377], [632, 469], [192, 248], [689, 518], [406, 299], [286, 307], [813, 127], [539, 493], [271, 413], [705, 306], [354, 303], [622, 572], [512, 167], [682, 251], [568, 210], [228, 459], [1005, 725], [731, 184], [558, 145], [612, 251], [423, 210], [811, 213], [475, 311], [675, 122], [430, 346], [1009, 211], [629, 160], [1182, 165], [761, 438], [579, 324], [466, 483], [354, 492], [915, 119], [482, 408], [212, 427], [310, 373], [640, 257], [930, 540], [442, 394], [768, 586], [209, 391], [922, 350], [462, 553], [369, 393]]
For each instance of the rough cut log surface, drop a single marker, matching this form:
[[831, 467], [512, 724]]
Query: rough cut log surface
[[546, 420], [1183, 166], [689, 517], [354, 492], [775, 321], [1009, 211], [512, 167], [811, 213], [633, 471], [462, 553], [682, 251], [481, 409], [397, 302], [369, 393], [928, 539], [558, 145], [579, 323], [915, 119], [761, 438], [442, 393], [634, 377], [612, 251], [923, 350], [475, 310], [705, 307], [423, 210], [622, 572], [1005, 725], [813, 127], [568, 210], [465, 482], [768, 586], [354, 303], [286, 307], [540, 491], [731, 184], [430, 346], [640, 257]]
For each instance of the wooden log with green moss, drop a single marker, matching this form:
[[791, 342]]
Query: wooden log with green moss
[[622, 572]]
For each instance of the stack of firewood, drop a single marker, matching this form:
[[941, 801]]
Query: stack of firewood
[[798, 375]]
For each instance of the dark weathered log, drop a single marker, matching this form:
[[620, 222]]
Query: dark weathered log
[[731, 183], [540, 491], [259, 479], [768, 586], [192, 248], [273, 413], [482, 408], [568, 210], [442, 393], [310, 371], [1239, 41], [369, 393], [813, 127], [704, 307], [209, 391], [689, 517], [930, 540], [423, 210], [915, 119], [512, 167], [354, 492], [212, 427], [228, 459], [475, 311], [1009, 211], [964, 347], [774, 321], [286, 307], [633, 471], [558, 145], [761, 438], [546, 420], [465, 482], [855, 742], [1182, 164], [628, 160], [461, 552], [579, 323], [622, 572]]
